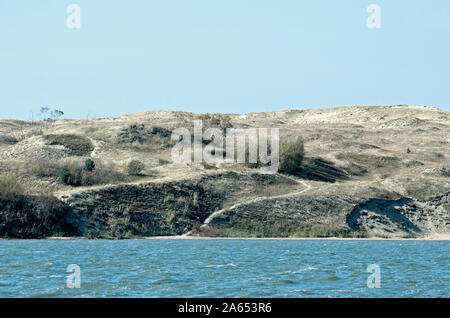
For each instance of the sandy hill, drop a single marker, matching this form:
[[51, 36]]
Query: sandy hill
[[368, 171]]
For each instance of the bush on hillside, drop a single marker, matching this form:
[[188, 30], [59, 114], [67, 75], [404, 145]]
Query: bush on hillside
[[135, 167], [89, 164], [71, 175], [139, 133], [79, 145], [291, 156]]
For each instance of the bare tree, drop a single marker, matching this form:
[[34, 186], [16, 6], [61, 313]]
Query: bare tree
[[56, 114], [48, 115]]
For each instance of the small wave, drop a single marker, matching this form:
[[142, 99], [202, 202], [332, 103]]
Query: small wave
[[282, 281], [302, 291], [301, 270], [162, 271], [163, 281], [331, 277], [220, 265], [91, 284]]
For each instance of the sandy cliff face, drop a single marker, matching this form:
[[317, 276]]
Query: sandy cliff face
[[369, 171]]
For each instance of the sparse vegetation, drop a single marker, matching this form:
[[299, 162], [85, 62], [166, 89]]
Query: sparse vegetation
[[160, 131], [280, 229], [322, 230], [380, 162], [216, 119], [45, 169], [10, 187], [208, 166], [8, 140], [369, 161], [75, 174], [79, 145], [35, 217], [220, 121], [138, 133], [135, 168], [25, 216]]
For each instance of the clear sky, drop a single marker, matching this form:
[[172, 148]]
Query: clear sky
[[208, 56]]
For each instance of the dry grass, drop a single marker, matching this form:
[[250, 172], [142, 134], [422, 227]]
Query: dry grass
[[101, 174], [369, 162], [9, 186]]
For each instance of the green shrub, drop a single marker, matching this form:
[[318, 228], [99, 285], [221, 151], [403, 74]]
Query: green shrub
[[135, 167], [89, 164], [65, 175], [80, 145], [291, 156], [72, 175]]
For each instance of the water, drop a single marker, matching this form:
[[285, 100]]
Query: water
[[224, 268]]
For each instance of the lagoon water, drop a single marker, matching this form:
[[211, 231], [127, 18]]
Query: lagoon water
[[224, 268]]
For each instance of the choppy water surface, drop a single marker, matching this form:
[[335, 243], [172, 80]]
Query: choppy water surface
[[224, 268]]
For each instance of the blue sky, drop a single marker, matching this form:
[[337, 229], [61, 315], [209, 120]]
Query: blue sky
[[220, 56]]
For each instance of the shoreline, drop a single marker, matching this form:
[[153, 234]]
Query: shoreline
[[443, 238]]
